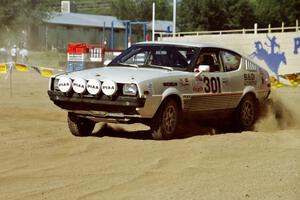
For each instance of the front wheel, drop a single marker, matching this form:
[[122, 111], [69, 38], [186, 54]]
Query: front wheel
[[166, 121], [80, 126]]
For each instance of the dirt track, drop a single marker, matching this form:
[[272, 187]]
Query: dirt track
[[40, 159]]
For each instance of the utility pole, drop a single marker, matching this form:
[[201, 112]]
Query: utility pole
[[174, 18], [153, 21]]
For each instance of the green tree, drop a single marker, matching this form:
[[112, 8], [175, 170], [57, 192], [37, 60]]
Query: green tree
[[275, 12], [141, 10], [16, 17], [215, 15]]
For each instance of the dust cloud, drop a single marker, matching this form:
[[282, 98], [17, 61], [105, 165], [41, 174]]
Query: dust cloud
[[283, 113]]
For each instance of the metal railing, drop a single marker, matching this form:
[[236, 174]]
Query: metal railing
[[255, 30]]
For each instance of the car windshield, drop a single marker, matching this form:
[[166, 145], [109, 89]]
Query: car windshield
[[156, 56]]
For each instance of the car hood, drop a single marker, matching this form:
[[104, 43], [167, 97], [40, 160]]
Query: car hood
[[122, 74]]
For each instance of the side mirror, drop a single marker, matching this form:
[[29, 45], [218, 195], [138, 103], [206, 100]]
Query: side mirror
[[106, 62], [202, 68]]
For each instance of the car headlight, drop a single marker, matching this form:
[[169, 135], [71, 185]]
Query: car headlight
[[130, 89], [55, 83]]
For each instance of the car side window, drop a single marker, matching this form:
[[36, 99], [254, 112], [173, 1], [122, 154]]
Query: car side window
[[231, 60], [139, 58], [178, 58], [210, 59]]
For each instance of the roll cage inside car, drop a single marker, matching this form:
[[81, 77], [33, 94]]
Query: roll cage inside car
[[183, 58]]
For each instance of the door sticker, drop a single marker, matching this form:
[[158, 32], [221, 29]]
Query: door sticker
[[212, 84], [250, 79]]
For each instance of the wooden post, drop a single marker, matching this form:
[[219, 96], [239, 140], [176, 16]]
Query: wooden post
[[10, 78]]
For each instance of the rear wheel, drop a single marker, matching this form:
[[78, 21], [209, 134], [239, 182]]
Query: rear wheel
[[80, 126], [165, 122], [246, 114]]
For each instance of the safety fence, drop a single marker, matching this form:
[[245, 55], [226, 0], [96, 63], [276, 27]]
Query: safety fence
[[254, 30], [7, 68]]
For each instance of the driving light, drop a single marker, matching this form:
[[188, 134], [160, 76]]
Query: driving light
[[109, 87], [130, 89], [79, 85], [64, 84], [93, 86]]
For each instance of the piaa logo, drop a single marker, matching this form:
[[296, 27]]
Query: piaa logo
[[109, 87], [79, 85]]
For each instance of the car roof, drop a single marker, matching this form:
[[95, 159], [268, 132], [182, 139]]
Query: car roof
[[186, 44], [191, 44]]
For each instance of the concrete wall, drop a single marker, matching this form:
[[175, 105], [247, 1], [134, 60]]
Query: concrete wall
[[279, 53]]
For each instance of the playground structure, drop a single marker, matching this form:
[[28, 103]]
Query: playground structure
[[128, 32]]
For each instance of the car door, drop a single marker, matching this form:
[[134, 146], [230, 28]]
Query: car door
[[207, 87], [217, 89]]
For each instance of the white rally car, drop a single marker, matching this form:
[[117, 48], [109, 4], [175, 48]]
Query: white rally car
[[160, 84]]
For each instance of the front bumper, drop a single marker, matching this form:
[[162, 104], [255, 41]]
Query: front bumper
[[98, 107]]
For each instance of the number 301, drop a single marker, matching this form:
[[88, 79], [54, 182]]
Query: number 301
[[212, 84]]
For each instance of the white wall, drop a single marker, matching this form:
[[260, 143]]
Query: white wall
[[245, 44]]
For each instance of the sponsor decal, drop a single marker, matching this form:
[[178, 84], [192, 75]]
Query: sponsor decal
[[199, 79], [169, 84], [187, 97], [250, 79], [150, 88], [198, 85], [198, 88], [108, 87], [184, 81]]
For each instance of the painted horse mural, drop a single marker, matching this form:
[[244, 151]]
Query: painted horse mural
[[272, 58]]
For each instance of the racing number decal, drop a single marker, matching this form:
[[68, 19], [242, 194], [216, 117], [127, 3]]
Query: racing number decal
[[212, 84]]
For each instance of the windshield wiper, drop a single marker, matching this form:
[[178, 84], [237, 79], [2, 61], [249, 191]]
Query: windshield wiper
[[159, 67]]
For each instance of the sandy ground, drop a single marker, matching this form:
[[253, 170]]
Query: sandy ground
[[40, 159]]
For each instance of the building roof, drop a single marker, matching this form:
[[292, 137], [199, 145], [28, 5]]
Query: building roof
[[77, 19], [161, 26]]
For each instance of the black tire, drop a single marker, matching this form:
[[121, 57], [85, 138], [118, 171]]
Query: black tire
[[80, 126], [246, 113], [165, 122]]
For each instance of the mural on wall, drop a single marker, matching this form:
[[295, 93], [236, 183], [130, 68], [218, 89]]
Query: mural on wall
[[297, 45], [270, 53]]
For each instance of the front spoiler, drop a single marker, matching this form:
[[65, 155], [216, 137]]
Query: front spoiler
[[98, 107]]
